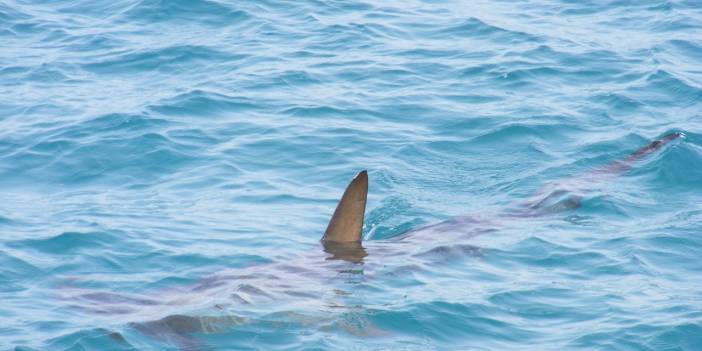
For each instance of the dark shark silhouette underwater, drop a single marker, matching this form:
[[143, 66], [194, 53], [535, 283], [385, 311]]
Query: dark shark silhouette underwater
[[288, 283]]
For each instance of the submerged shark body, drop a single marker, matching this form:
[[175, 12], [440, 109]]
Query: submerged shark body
[[343, 256]]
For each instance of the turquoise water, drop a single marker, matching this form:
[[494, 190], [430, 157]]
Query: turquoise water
[[168, 167]]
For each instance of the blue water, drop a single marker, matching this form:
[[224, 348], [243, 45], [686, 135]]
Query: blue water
[[167, 168]]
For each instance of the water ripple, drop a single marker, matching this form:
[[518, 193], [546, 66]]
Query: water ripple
[[167, 169]]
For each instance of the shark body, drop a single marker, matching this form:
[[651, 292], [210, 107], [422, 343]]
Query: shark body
[[343, 254]]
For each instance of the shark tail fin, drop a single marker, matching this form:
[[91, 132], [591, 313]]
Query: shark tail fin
[[653, 146], [623, 165], [347, 222]]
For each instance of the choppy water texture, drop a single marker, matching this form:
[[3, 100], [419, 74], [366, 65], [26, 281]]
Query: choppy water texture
[[167, 168]]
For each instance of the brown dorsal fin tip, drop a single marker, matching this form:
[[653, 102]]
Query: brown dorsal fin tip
[[347, 222]]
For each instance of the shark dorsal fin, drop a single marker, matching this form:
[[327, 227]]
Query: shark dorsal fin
[[347, 222]]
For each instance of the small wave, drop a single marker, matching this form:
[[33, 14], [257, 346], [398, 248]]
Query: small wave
[[675, 169], [91, 339], [172, 58], [476, 28], [203, 103], [67, 243], [520, 133], [13, 271], [644, 336], [75, 161], [207, 12], [674, 88]]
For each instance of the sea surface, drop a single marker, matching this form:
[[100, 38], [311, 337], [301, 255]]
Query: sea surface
[[167, 168]]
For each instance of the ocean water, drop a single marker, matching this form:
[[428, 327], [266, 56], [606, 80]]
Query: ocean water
[[167, 168]]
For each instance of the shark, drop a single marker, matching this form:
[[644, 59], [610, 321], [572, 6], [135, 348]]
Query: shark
[[343, 253]]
